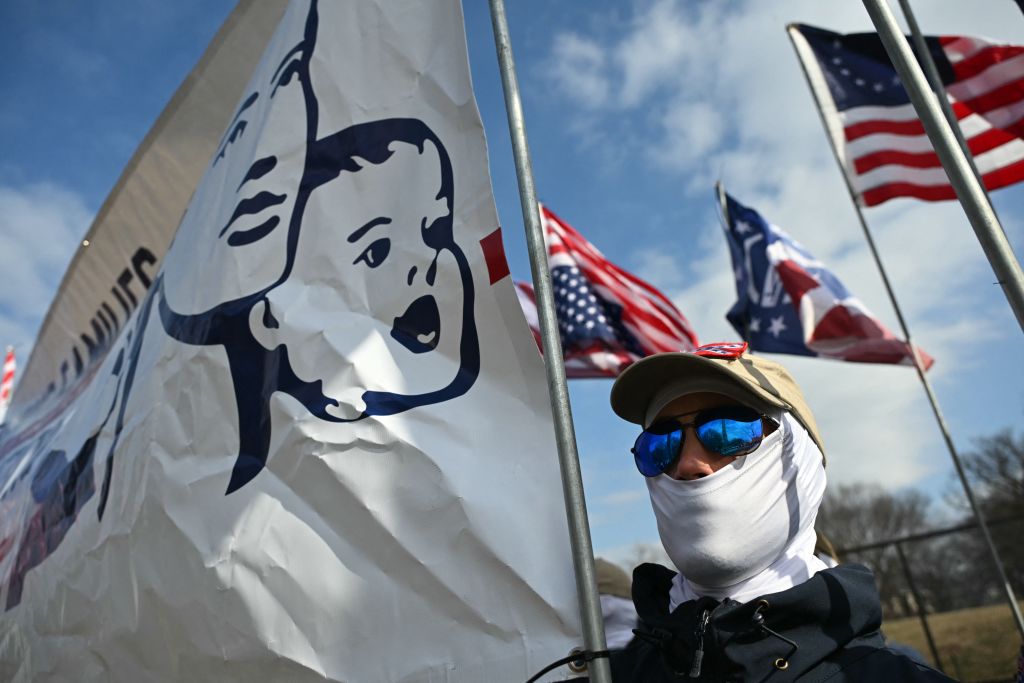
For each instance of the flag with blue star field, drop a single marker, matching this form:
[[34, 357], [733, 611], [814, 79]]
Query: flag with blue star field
[[789, 302], [875, 130], [607, 318]]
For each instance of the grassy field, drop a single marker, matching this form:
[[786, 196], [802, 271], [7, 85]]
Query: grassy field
[[978, 644]]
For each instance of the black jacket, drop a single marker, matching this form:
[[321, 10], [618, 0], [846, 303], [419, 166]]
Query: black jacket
[[824, 629]]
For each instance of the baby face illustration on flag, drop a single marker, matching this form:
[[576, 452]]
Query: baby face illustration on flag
[[328, 268], [380, 273]]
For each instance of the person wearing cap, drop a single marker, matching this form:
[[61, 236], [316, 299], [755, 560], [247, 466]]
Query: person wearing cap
[[735, 468], [615, 592]]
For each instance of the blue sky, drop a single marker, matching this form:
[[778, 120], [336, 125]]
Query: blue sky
[[633, 109]]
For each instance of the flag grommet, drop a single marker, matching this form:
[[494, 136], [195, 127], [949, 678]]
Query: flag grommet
[[577, 666]]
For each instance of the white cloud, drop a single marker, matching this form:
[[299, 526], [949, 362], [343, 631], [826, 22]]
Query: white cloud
[[690, 131], [660, 43], [42, 225], [576, 67], [659, 265]]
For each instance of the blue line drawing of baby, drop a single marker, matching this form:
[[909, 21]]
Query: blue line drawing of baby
[[369, 308]]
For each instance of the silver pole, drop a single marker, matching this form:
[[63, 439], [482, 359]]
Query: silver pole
[[918, 365], [935, 80], [723, 203], [565, 436], [968, 190], [922, 613]]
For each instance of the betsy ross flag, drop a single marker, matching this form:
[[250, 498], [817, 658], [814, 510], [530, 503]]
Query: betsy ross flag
[[789, 302], [6, 382], [876, 132], [607, 317]]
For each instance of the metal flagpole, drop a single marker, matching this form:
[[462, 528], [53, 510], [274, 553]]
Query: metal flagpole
[[918, 365], [935, 80], [565, 436], [968, 189], [723, 204], [920, 608]]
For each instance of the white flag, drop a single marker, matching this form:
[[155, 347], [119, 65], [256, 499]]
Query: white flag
[[322, 448], [119, 257]]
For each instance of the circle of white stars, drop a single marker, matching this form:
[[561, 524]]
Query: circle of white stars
[[859, 81]]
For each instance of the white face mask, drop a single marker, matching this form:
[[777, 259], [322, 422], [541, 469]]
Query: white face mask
[[752, 516]]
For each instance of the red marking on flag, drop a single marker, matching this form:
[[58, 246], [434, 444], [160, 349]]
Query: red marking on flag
[[494, 256], [795, 280], [979, 144], [1001, 177], [5, 546], [862, 339], [983, 59]]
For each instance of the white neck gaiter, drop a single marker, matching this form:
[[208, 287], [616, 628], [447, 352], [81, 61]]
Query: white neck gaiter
[[748, 529]]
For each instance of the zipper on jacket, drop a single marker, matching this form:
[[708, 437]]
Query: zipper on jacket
[[698, 656]]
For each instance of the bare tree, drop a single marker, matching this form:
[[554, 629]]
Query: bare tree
[[857, 515], [995, 468]]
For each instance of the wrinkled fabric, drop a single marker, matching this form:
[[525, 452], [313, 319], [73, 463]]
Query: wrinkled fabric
[[747, 529], [619, 620], [277, 472]]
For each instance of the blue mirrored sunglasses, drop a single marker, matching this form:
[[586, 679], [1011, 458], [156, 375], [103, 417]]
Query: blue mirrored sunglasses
[[727, 430]]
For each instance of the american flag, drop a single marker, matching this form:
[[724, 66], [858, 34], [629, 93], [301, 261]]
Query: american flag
[[789, 302], [6, 382], [873, 125], [607, 318]]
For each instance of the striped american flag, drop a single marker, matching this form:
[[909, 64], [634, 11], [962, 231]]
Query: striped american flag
[[607, 317], [6, 382], [875, 130]]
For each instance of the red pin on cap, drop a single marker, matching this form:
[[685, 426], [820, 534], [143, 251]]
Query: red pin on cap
[[721, 350]]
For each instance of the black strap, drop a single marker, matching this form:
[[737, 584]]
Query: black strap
[[578, 657]]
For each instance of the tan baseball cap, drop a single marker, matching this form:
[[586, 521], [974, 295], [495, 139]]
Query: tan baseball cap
[[650, 384], [612, 579]]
